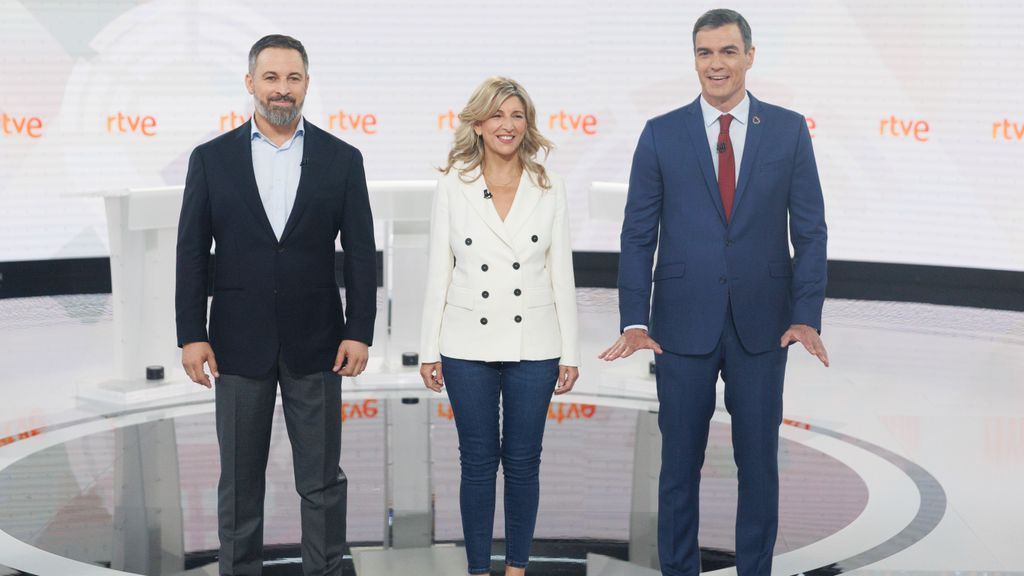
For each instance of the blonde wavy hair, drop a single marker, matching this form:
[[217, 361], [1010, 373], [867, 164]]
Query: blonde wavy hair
[[468, 148]]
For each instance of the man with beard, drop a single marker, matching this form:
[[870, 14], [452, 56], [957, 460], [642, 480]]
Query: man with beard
[[274, 194]]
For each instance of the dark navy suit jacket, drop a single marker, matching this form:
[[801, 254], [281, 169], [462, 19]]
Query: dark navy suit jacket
[[704, 264], [271, 296]]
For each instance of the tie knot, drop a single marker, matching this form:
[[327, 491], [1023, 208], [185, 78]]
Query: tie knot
[[723, 123]]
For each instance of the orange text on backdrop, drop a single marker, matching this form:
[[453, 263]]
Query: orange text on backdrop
[[899, 128], [232, 121], [567, 122], [1010, 130], [348, 122], [122, 123], [30, 126]]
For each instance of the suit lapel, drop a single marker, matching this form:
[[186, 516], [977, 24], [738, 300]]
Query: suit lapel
[[314, 158], [526, 200], [750, 146], [240, 155], [699, 140], [473, 192]]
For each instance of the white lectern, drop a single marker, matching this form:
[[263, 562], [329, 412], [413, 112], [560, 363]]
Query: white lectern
[[608, 201], [142, 224]]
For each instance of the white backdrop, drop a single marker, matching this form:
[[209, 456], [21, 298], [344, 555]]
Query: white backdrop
[[915, 106]]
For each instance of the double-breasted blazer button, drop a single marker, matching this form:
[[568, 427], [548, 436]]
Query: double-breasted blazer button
[[534, 238], [515, 265], [519, 318], [469, 241], [483, 321], [485, 294], [484, 267], [517, 292]]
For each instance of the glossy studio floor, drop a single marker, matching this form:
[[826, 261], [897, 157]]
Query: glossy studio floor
[[905, 457]]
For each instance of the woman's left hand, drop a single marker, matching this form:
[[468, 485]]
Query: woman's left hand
[[567, 377]]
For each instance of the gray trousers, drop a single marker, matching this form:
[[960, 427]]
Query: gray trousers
[[312, 412]]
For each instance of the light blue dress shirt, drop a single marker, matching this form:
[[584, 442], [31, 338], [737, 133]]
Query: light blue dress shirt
[[277, 170]]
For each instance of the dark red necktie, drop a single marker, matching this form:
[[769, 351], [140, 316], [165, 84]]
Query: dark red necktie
[[726, 165]]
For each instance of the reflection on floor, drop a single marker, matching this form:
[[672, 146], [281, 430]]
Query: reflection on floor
[[937, 386]]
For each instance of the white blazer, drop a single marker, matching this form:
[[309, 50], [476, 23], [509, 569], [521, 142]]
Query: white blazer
[[499, 291]]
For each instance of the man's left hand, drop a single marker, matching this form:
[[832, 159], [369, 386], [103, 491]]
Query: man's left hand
[[352, 358], [807, 336]]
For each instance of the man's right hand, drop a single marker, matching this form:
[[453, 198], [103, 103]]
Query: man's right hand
[[193, 356], [631, 340]]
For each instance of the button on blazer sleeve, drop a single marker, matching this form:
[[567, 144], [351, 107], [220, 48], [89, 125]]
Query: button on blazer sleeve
[[440, 262], [563, 280]]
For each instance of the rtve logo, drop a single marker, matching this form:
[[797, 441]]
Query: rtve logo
[[559, 412], [349, 122], [30, 126], [122, 123], [1010, 130], [562, 121], [446, 120], [811, 125], [573, 123], [893, 127], [232, 120]]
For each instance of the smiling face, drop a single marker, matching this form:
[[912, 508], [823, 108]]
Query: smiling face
[[722, 65], [278, 84], [503, 132]]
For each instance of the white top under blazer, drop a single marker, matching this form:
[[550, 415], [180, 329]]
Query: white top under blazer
[[499, 290]]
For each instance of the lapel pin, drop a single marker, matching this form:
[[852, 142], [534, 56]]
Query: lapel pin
[[756, 120]]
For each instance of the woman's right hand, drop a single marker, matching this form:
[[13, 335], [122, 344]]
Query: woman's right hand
[[432, 377]]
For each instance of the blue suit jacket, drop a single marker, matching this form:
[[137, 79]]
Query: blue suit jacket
[[703, 264]]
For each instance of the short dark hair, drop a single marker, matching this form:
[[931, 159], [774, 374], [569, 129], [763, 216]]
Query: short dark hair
[[276, 41], [722, 17]]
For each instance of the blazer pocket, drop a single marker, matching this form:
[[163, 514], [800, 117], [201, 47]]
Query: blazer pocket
[[670, 270], [780, 269], [461, 297], [540, 297]]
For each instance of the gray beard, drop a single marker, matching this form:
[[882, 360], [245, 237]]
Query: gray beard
[[277, 116]]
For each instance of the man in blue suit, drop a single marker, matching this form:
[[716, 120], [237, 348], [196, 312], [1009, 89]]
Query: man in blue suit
[[721, 187]]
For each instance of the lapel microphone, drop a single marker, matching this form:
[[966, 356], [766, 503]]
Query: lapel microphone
[[721, 147], [304, 162], [487, 194]]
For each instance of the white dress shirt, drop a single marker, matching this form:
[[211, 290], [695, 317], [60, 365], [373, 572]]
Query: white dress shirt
[[737, 130], [277, 170], [737, 134]]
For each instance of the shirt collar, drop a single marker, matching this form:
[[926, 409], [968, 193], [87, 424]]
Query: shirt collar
[[300, 130], [740, 112]]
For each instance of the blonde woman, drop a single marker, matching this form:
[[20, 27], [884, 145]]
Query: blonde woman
[[499, 316]]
